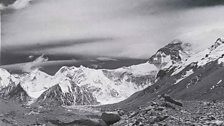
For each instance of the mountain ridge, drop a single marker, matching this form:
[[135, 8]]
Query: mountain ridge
[[199, 78], [172, 67], [37, 83]]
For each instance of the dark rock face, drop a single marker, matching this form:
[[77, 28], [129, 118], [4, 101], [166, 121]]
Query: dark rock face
[[161, 74], [83, 96], [15, 93], [77, 96], [167, 98], [55, 96], [5, 91], [173, 50], [110, 118]]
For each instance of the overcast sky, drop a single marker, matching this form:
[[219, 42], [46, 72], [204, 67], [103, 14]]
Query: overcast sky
[[109, 28]]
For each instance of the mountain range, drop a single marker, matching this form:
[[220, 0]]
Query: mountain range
[[77, 85], [175, 70]]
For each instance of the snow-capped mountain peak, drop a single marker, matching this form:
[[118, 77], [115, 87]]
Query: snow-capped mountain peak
[[36, 82], [97, 85], [4, 78], [102, 87], [174, 52]]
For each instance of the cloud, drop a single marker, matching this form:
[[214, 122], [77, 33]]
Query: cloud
[[7, 2], [28, 67], [202, 3], [14, 4], [55, 44], [129, 28]]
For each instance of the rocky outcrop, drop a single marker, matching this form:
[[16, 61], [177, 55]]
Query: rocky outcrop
[[162, 114], [167, 98], [175, 51], [15, 93], [75, 96], [110, 118]]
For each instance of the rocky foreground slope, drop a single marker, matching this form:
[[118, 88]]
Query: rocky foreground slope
[[161, 113], [154, 113]]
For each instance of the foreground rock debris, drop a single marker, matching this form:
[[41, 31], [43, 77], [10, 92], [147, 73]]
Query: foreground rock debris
[[12, 114], [155, 113], [168, 114]]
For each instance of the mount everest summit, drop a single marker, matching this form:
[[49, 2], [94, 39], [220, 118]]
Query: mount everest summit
[[199, 77]]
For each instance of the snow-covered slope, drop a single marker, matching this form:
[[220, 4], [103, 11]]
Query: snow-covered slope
[[84, 85], [105, 89], [138, 70], [36, 82], [6, 78], [183, 69], [213, 53]]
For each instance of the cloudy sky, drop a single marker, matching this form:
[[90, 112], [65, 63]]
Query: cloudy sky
[[107, 28]]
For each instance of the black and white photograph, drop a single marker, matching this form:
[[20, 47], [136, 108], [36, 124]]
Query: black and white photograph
[[111, 62]]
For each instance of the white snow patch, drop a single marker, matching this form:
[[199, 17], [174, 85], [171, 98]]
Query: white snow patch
[[65, 86], [188, 73], [212, 87], [216, 84], [221, 60], [140, 69], [4, 78], [219, 81]]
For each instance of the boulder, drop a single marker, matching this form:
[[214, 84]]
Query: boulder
[[80, 122], [110, 118], [167, 98]]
